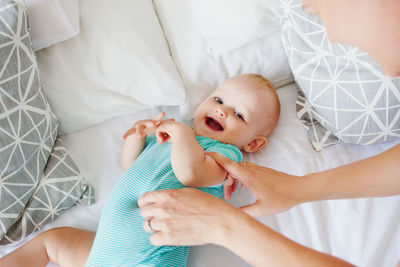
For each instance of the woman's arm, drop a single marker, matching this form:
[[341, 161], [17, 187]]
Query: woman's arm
[[277, 191], [377, 176], [191, 165], [261, 246], [191, 217]]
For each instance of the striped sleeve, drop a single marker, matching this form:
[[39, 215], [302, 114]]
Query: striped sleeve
[[227, 150]]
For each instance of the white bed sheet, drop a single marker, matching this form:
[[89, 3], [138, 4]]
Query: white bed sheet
[[365, 232]]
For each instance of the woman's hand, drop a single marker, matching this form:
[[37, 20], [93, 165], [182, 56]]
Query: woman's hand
[[186, 217], [274, 191]]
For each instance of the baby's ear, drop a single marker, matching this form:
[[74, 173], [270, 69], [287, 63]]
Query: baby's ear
[[256, 144]]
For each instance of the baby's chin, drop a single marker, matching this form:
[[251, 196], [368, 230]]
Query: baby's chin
[[218, 138], [199, 132]]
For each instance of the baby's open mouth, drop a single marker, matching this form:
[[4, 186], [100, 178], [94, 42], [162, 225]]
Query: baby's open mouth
[[213, 124]]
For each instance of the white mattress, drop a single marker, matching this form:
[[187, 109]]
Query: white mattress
[[365, 232]]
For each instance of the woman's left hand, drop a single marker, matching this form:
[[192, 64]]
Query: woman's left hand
[[185, 217]]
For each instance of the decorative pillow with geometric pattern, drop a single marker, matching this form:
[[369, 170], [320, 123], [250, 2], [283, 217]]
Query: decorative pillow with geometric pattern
[[38, 179], [343, 96]]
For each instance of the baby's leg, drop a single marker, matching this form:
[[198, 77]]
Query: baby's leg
[[64, 246]]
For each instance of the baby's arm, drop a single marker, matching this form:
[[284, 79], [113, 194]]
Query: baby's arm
[[135, 138], [191, 165]]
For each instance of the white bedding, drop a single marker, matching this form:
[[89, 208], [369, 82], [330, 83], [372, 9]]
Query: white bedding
[[202, 72], [365, 232]]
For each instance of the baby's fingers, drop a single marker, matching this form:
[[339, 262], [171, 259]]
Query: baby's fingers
[[158, 119], [165, 125], [139, 130], [162, 137], [129, 132], [145, 127]]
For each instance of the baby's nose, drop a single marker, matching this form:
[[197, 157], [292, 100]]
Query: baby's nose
[[220, 112]]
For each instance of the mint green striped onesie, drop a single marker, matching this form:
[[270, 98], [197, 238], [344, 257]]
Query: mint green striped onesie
[[120, 238]]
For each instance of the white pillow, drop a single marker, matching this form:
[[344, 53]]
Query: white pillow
[[52, 21], [119, 63], [202, 72], [229, 24]]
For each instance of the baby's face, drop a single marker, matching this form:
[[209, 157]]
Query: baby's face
[[235, 113]]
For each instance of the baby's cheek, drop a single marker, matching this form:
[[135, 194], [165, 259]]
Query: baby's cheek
[[242, 139]]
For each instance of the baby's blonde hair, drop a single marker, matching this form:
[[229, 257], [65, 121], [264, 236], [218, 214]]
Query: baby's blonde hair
[[259, 80], [263, 83]]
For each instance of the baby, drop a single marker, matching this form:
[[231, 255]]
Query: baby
[[237, 117]]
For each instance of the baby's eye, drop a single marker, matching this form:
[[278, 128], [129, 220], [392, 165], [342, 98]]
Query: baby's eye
[[239, 115], [219, 100]]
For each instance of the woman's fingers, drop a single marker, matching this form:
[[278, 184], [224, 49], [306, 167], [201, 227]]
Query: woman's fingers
[[169, 238], [147, 198], [147, 212], [164, 238], [148, 226], [160, 239], [157, 224], [152, 197], [228, 164], [161, 211], [183, 216], [236, 172], [234, 169], [255, 209], [228, 187]]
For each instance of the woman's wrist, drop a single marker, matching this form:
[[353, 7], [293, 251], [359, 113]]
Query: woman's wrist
[[303, 189], [235, 226], [259, 245], [250, 239], [228, 224], [314, 187]]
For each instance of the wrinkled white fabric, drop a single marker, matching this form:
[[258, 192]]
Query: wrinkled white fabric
[[201, 71], [230, 24], [52, 21], [118, 63]]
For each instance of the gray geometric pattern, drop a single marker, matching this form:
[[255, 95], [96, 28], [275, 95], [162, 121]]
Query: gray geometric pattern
[[310, 118], [38, 179], [344, 96]]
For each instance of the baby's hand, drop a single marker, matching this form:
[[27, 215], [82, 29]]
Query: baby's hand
[[166, 129], [144, 127]]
